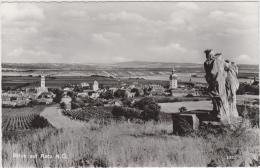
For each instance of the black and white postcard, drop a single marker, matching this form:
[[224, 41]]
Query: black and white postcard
[[130, 84]]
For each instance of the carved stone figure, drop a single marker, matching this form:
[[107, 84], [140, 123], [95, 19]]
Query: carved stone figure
[[221, 76]]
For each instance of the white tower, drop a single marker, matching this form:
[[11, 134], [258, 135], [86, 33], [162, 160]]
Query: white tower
[[43, 88], [173, 80], [42, 81], [95, 86]]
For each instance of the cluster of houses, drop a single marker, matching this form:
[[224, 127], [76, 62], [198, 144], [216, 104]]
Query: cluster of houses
[[127, 91], [23, 97], [43, 95]]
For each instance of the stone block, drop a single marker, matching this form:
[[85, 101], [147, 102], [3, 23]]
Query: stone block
[[184, 123]]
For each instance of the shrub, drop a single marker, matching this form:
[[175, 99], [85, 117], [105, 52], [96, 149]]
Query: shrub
[[107, 94], [62, 105], [136, 91], [127, 101], [120, 93], [182, 109], [58, 96], [189, 95], [100, 162], [75, 105], [39, 122], [128, 113], [245, 87], [33, 103], [150, 108], [151, 112]]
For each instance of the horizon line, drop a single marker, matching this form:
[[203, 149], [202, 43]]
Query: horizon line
[[113, 63]]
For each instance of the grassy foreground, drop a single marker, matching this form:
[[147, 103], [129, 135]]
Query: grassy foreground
[[130, 144]]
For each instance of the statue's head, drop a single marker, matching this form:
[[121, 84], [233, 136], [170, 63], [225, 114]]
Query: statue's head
[[218, 54], [209, 54]]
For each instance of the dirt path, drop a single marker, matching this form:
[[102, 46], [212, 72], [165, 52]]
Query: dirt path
[[55, 117]]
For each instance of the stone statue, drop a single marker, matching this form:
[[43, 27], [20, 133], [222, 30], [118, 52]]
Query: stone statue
[[221, 76]]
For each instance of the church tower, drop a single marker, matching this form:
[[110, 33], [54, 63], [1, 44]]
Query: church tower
[[95, 86], [42, 88], [173, 80], [42, 81]]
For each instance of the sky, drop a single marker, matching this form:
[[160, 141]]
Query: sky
[[110, 32]]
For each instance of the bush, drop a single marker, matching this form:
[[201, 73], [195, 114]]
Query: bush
[[33, 103], [127, 102], [100, 162], [120, 93], [189, 95], [86, 100], [136, 91], [147, 91], [117, 112], [128, 113], [150, 108], [245, 87], [39, 122], [58, 94], [182, 109], [62, 105], [107, 94], [75, 105]]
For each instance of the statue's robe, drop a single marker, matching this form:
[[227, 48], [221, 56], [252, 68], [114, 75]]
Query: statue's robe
[[232, 85], [223, 84]]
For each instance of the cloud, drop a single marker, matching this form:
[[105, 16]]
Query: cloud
[[118, 31], [170, 48], [246, 59], [120, 59], [17, 12], [100, 39], [35, 56], [188, 6], [221, 15], [74, 13], [123, 16]]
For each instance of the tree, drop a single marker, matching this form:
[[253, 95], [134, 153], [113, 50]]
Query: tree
[[58, 96], [101, 86], [150, 108], [72, 95], [78, 88], [151, 112], [62, 105], [120, 93], [147, 91], [75, 105], [107, 94], [127, 101], [182, 109], [136, 91]]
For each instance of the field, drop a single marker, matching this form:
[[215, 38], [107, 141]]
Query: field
[[119, 143], [130, 144], [27, 75], [88, 113], [190, 105], [21, 119]]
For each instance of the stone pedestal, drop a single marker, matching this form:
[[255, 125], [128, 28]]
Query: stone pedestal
[[184, 123]]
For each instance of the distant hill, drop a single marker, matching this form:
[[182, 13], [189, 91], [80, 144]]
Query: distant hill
[[120, 65], [59, 66], [143, 64]]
